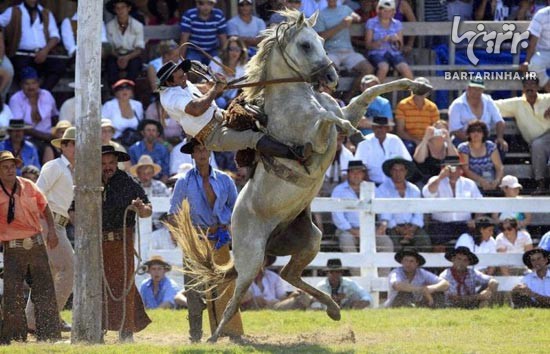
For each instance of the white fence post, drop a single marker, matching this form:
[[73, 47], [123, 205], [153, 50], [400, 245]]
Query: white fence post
[[367, 242]]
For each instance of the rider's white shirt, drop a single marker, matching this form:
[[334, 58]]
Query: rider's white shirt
[[175, 99]]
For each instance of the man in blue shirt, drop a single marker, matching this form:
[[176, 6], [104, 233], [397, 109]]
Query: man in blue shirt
[[18, 146], [211, 195], [205, 27], [151, 130], [159, 290]]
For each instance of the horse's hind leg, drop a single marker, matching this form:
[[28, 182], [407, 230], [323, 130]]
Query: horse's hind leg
[[305, 238]]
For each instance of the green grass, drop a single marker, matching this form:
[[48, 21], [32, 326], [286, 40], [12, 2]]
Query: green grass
[[499, 330]]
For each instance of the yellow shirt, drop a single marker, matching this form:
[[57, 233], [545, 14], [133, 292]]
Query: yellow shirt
[[530, 120], [416, 120]]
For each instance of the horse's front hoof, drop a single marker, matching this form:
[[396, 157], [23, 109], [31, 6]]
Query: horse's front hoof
[[212, 339], [334, 314]]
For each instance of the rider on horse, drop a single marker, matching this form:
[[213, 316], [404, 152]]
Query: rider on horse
[[201, 118]]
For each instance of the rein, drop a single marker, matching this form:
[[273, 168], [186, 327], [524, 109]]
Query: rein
[[234, 84]]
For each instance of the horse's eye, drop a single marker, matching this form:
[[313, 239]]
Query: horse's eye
[[305, 46]]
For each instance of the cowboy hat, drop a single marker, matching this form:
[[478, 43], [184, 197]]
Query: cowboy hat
[[381, 121], [409, 165], [121, 156], [69, 134], [6, 155], [145, 160], [158, 260], [356, 165], [188, 147], [18, 124], [527, 256], [449, 255], [335, 265], [62, 124], [410, 252], [166, 70]]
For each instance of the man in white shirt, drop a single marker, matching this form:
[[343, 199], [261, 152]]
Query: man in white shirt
[[534, 289], [336, 173], [445, 227], [405, 229], [31, 32], [538, 49], [199, 117], [379, 147], [69, 27], [56, 182]]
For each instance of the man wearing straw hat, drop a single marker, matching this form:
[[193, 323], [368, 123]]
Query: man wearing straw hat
[[56, 182], [159, 291], [22, 205]]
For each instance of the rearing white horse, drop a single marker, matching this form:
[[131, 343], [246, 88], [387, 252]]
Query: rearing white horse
[[272, 213]]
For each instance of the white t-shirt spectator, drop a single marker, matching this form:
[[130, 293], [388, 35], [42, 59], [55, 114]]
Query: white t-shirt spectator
[[522, 240]]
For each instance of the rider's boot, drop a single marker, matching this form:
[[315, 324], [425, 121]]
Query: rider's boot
[[272, 147]]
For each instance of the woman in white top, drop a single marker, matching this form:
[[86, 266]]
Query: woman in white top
[[123, 111], [482, 240], [233, 55], [511, 240]]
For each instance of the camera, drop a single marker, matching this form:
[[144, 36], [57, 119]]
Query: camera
[[438, 132], [452, 169]]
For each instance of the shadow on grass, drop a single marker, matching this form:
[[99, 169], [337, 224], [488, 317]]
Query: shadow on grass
[[264, 348]]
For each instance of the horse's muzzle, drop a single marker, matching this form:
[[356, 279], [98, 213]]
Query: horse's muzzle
[[328, 77]]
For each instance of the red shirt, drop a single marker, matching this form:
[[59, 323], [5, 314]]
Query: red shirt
[[30, 204]]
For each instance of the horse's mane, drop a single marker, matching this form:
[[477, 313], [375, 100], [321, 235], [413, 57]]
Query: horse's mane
[[256, 67]]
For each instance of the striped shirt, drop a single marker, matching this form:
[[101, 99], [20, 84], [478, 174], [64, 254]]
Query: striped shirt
[[204, 33], [416, 119]]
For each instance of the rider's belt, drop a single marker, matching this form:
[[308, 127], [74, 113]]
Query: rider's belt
[[207, 130], [60, 219], [26, 243], [117, 235]]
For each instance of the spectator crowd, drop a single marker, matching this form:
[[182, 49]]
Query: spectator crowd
[[409, 149]]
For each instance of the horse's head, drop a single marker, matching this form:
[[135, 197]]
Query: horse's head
[[302, 50]]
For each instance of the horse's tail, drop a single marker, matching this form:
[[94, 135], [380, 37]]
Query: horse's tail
[[198, 254]]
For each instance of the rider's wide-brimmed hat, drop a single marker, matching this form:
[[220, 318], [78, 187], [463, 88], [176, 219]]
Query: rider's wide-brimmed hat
[[409, 252], [121, 156], [449, 255], [169, 68], [188, 147], [69, 134], [409, 165], [6, 155], [145, 160]]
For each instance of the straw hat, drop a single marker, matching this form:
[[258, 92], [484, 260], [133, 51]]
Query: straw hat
[[6, 155], [69, 134], [145, 160], [62, 124], [158, 260]]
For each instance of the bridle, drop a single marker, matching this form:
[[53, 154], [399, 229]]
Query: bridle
[[234, 84]]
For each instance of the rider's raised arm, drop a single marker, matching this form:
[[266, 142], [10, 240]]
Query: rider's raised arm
[[199, 105]]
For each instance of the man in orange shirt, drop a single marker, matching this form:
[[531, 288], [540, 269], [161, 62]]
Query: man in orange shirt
[[22, 205], [412, 115]]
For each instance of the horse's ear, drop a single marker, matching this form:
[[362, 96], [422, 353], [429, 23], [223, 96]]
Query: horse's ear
[[301, 20], [313, 19]]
